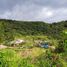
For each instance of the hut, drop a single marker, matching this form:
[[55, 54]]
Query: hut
[[17, 42], [44, 45]]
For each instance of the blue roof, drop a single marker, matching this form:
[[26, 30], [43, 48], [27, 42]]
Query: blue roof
[[44, 45]]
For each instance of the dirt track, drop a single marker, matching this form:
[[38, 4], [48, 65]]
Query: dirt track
[[3, 47]]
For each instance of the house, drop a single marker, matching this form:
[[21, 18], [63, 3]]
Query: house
[[17, 42], [44, 45], [40, 43]]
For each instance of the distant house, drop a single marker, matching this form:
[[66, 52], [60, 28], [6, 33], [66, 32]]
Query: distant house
[[16, 42], [44, 45]]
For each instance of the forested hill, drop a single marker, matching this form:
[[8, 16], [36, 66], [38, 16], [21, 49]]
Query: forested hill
[[9, 28]]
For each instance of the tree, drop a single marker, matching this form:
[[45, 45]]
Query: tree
[[60, 47]]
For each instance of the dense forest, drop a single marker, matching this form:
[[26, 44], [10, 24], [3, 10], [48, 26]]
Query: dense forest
[[10, 28]]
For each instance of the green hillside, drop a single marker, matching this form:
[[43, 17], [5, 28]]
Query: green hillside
[[9, 29], [29, 53]]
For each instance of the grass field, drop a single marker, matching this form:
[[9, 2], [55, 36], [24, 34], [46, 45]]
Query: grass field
[[31, 57]]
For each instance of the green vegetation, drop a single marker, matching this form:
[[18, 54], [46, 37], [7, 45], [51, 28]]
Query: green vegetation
[[10, 29], [28, 54]]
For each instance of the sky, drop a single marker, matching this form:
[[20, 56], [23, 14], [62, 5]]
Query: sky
[[34, 10]]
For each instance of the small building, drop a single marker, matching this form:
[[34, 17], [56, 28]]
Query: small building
[[17, 42], [44, 45]]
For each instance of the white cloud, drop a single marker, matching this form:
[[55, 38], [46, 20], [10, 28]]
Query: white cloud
[[5, 15], [45, 13], [59, 15], [49, 14]]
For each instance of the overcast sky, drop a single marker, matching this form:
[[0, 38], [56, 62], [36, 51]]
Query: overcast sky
[[34, 10]]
